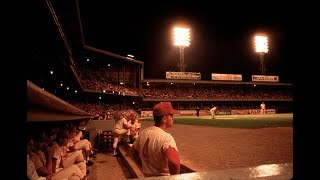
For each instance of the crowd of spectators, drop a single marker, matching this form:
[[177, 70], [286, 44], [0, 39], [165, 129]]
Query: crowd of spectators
[[107, 80], [232, 93], [99, 79], [101, 110]]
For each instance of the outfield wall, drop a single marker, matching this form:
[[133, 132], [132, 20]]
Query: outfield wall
[[219, 112], [251, 111]]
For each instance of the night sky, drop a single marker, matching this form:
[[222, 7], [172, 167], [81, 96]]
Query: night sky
[[221, 35]]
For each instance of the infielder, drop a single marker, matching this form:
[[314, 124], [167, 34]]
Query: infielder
[[263, 108], [213, 111]]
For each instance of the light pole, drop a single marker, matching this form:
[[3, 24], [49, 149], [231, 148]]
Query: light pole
[[261, 43], [181, 39]]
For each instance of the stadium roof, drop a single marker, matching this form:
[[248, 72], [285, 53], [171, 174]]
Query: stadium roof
[[56, 41], [112, 54], [69, 20]]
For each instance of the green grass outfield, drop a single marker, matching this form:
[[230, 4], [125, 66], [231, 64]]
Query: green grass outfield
[[236, 121]]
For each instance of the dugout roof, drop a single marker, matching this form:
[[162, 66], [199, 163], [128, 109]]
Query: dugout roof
[[44, 106]]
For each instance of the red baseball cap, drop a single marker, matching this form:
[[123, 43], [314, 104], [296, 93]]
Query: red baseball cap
[[163, 108]]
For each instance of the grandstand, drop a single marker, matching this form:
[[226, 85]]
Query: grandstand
[[206, 94]]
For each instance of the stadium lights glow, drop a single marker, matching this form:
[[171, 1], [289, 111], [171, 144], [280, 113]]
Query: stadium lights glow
[[61, 84], [129, 55], [99, 97], [51, 72], [75, 91], [88, 59], [67, 88], [181, 36], [261, 45], [181, 39]]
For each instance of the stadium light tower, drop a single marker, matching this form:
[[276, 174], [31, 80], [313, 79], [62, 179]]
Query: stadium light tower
[[181, 39], [261, 43]]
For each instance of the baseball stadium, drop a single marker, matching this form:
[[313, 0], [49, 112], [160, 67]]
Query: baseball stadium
[[76, 87]]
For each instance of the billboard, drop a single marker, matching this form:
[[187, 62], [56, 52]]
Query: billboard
[[265, 78], [183, 75], [226, 77]]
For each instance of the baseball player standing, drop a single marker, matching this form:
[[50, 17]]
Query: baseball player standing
[[156, 149], [263, 108], [213, 111]]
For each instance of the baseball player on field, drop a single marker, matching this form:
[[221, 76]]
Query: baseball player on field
[[263, 108], [213, 111]]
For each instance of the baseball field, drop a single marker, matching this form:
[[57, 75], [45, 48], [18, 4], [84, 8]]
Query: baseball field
[[232, 141], [236, 121]]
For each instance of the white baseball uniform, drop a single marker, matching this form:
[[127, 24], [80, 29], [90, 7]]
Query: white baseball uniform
[[118, 130], [213, 111], [263, 108], [152, 144]]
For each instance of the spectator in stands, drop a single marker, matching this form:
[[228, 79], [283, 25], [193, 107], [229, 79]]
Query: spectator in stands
[[156, 149]]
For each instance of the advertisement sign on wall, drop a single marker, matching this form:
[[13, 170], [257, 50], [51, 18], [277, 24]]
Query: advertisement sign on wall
[[265, 78], [183, 75], [226, 77]]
